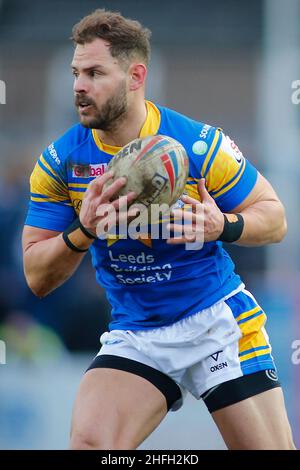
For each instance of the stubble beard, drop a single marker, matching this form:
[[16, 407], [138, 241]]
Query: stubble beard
[[112, 113]]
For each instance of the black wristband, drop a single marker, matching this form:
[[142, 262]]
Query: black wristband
[[70, 244], [85, 231], [77, 224], [74, 226], [232, 230]]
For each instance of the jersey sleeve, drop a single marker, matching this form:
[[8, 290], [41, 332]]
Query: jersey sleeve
[[229, 176], [50, 206]]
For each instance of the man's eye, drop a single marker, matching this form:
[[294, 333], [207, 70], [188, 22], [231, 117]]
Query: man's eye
[[75, 73], [96, 73]]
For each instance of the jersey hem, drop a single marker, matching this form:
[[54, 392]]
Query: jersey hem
[[117, 326]]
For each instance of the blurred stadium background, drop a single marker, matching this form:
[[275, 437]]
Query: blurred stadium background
[[228, 63]]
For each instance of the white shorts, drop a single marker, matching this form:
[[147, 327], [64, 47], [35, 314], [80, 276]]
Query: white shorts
[[202, 350]]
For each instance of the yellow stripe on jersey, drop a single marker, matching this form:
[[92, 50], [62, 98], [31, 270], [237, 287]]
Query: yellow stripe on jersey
[[150, 127], [192, 191], [233, 183], [211, 151], [191, 179], [42, 183], [224, 171], [49, 199], [75, 194], [44, 162], [78, 185]]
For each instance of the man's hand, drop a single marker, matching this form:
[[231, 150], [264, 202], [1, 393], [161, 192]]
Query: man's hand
[[205, 222], [98, 203], [262, 211]]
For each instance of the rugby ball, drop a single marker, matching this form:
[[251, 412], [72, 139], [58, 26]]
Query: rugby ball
[[156, 168]]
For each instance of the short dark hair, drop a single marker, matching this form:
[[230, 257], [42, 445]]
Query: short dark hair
[[127, 38]]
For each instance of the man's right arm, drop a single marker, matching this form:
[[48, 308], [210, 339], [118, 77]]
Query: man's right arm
[[48, 261]]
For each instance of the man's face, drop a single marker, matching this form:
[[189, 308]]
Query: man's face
[[100, 86]]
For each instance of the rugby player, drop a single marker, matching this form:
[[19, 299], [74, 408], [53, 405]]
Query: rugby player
[[182, 320]]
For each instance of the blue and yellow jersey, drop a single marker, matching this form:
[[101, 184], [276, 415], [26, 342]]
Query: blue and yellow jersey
[[148, 282]]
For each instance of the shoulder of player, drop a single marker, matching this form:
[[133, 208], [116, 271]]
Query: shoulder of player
[[199, 139], [59, 151]]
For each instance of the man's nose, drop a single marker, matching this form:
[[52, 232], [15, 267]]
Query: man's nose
[[81, 85]]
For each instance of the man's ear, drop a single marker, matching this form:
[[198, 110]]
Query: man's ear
[[137, 76]]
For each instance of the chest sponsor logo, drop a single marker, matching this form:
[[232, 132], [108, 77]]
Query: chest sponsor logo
[[138, 269], [88, 171]]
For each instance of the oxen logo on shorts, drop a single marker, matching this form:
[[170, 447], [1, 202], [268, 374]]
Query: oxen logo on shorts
[[219, 366], [215, 356]]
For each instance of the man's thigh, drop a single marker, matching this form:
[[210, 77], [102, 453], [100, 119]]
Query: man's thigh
[[115, 409], [257, 423]]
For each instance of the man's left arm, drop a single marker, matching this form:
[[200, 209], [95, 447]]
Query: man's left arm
[[263, 214]]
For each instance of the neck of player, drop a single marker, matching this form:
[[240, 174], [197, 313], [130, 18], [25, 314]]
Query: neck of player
[[128, 129]]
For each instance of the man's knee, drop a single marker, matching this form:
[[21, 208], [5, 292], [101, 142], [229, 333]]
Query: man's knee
[[82, 442], [86, 441]]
